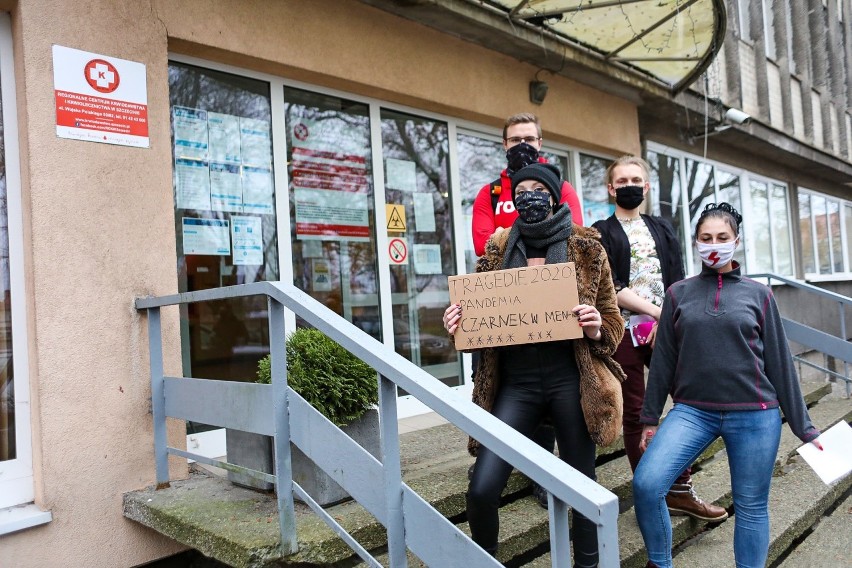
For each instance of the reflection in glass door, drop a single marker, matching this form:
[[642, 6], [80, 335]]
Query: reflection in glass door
[[421, 252], [332, 213], [480, 161], [225, 222]]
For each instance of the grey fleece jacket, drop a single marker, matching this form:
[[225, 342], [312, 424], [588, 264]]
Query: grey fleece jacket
[[721, 346]]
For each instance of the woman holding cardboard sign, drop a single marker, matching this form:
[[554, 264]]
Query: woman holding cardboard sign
[[575, 383]]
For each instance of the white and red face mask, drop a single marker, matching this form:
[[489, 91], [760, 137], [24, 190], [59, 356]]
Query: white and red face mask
[[716, 255]]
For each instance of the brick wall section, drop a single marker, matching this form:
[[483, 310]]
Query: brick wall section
[[749, 80], [776, 109]]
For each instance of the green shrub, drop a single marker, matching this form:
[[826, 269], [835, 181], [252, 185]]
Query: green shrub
[[330, 378]]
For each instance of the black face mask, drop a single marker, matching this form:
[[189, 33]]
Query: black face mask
[[533, 206], [520, 155], [629, 196]]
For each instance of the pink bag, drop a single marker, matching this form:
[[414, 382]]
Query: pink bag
[[640, 329]]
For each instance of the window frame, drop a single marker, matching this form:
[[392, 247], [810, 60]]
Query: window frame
[[17, 485], [748, 228], [745, 179], [845, 230]]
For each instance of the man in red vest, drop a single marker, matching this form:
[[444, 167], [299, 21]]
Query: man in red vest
[[493, 209]]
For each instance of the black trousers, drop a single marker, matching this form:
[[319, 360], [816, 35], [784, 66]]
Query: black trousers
[[544, 435], [535, 385]]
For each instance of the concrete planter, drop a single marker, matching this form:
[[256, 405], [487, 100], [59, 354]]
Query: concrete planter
[[255, 451]]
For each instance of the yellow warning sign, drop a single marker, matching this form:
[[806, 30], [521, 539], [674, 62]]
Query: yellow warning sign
[[396, 218]]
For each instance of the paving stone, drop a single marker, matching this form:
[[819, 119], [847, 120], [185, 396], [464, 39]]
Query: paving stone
[[830, 543]]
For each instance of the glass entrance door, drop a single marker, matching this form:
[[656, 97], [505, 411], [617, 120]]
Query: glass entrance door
[[225, 224], [421, 253], [332, 211]]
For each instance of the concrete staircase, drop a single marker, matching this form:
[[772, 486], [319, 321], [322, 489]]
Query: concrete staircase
[[239, 527]]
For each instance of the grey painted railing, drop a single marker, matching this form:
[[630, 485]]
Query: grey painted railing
[[276, 410], [830, 345]]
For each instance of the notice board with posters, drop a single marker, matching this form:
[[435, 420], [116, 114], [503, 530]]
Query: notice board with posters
[[516, 306]]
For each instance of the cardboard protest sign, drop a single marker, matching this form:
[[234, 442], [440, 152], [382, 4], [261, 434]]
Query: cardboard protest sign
[[516, 306]]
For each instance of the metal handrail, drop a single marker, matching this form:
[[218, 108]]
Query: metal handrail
[[409, 520], [827, 344], [845, 300]]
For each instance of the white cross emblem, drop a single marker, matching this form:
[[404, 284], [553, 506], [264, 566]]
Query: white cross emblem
[[101, 75]]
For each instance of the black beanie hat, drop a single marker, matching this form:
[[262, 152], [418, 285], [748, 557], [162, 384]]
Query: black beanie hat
[[548, 174]]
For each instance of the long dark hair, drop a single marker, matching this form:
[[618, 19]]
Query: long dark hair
[[724, 211]]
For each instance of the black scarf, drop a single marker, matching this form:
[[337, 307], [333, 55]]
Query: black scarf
[[551, 234]]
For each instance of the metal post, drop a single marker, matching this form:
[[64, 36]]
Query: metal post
[[560, 535], [393, 473], [609, 554], [283, 464], [845, 338], [158, 397]]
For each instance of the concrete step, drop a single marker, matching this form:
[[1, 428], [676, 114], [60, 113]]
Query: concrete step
[[830, 543], [239, 527], [712, 482]]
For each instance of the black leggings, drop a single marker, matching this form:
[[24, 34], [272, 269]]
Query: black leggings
[[544, 435], [525, 398]]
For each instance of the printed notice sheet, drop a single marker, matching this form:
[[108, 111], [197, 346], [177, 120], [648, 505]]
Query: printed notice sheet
[[427, 259], [258, 190], [192, 184], [225, 189], [223, 162], [835, 460], [424, 213], [224, 133], [247, 238], [206, 236], [190, 133], [255, 142], [329, 214], [401, 174], [321, 278]]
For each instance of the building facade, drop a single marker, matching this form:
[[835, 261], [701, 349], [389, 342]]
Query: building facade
[[338, 145]]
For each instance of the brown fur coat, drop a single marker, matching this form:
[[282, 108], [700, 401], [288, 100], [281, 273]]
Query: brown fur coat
[[600, 395]]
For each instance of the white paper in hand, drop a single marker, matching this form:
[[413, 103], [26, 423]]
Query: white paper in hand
[[835, 460]]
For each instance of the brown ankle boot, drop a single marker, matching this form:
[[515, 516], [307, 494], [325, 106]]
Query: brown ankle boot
[[682, 500]]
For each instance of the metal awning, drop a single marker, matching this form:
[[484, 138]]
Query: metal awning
[[669, 41]]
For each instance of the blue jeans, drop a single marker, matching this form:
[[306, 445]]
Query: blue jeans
[[751, 438]]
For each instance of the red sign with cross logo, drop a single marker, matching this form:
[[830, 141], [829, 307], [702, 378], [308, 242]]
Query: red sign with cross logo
[[100, 98]]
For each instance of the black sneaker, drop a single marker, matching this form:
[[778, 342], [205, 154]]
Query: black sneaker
[[540, 494]]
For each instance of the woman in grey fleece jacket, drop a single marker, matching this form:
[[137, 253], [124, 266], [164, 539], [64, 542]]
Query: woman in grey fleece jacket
[[722, 354]]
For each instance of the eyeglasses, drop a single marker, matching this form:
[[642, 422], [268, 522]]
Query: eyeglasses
[[539, 188], [518, 139]]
